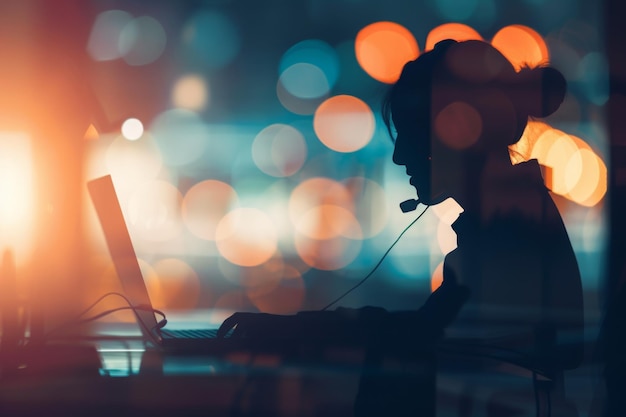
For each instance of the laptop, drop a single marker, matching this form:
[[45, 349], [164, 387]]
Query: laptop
[[108, 209]]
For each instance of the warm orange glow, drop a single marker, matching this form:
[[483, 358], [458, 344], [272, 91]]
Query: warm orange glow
[[344, 123], [328, 254], [131, 163], [328, 235], [315, 192], [437, 277], [458, 125], [591, 182], [16, 194], [559, 155], [233, 300], [574, 169], [286, 297], [328, 221], [154, 212], [522, 150], [382, 49], [173, 284], [91, 133], [190, 92], [246, 237], [456, 31], [261, 278], [522, 46], [205, 204], [107, 280]]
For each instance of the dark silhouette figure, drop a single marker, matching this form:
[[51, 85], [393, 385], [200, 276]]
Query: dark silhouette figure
[[513, 279], [610, 401]]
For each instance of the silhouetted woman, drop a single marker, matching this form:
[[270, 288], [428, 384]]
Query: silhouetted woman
[[456, 109]]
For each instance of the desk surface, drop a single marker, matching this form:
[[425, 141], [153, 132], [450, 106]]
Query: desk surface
[[122, 377]]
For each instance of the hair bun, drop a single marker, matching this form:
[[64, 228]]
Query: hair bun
[[540, 91]]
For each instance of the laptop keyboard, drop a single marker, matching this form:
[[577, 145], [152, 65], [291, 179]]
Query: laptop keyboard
[[191, 334]]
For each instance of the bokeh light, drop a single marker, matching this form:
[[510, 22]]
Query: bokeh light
[[154, 211], [17, 202], [142, 41], [190, 92], [304, 80], [132, 129], [327, 234], [309, 69], [327, 221], [554, 149], [377, 58], [279, 150], [458, 125], [211, 38], [594, 72], [104, 39], [522, 150], [257, 279], [436, 278], [181, 135], [456, 31], [205, 204], [585, 178], [246, 237], [131, 163], [285, 297], [572, 168], [344, 123], [315, 192], [327, 254], [173, 284], [297, 105], [522, 46], [370, 209]]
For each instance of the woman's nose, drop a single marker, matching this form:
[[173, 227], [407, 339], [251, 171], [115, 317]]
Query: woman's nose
[[398, 154]]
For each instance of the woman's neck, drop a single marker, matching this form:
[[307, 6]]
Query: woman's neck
[[480, 177]]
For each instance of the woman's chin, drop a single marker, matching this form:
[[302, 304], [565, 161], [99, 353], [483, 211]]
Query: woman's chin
[[432, 200]]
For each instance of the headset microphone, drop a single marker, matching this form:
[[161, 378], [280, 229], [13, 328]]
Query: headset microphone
[[409, 205]]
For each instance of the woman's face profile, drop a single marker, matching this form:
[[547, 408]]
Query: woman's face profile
[[429, 164], [412, 150], [437, 140]]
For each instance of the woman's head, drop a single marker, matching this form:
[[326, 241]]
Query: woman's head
[[459, 103]]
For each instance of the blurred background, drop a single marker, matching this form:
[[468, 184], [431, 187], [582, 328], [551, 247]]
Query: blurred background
[[246, 144]]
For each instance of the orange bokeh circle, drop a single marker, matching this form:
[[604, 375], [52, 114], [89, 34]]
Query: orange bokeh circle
[[344, 123], [457, 31], [382, 49], [522, 46]]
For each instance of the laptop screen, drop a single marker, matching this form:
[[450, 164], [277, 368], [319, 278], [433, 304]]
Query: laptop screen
[[109, 211]]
